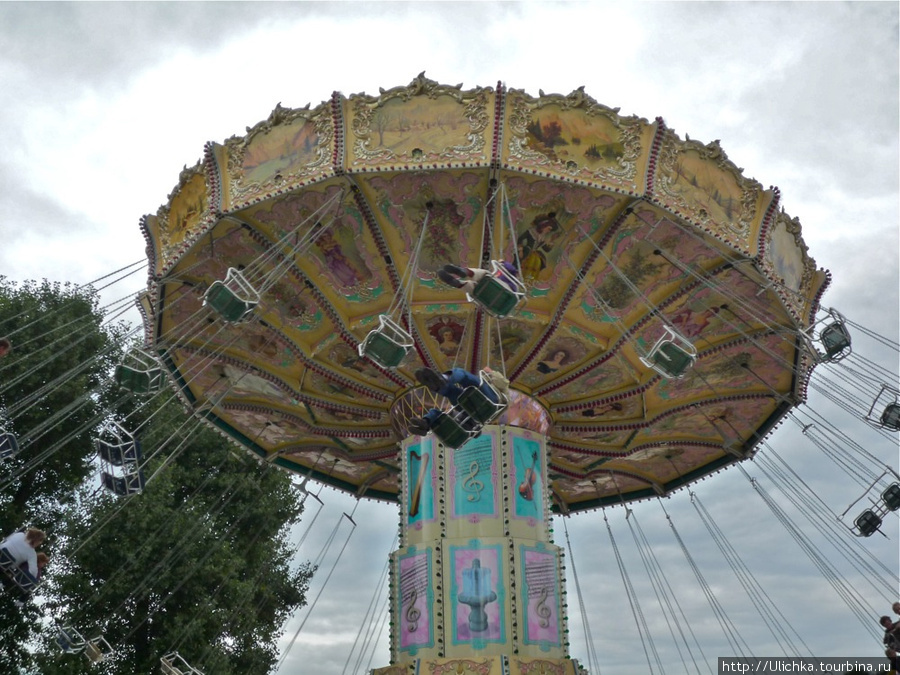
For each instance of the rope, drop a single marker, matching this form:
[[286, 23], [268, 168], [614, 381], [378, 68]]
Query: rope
[[633, 602], [593, 661], [315, 601]]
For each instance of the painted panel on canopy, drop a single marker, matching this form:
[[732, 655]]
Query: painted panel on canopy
[[424, 122], [290, 148], [454, 232], [592, 433], [517, 335], [786, 260], [188, 210], [581, 460], [334, 465], [552, 221], [266, 428], [561, 354], [329, 242], [597, 486], [668, 462], [210, 376], [707, 316], [320, 385], [612, 375], [747, 366], [341, 357], [703, 184], [448, 336], [576, 137], [610, 298], [710, 421], [629, 408]]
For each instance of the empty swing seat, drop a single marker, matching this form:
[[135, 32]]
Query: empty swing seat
[[867, 523], [450, 431], [671, 356], [139, 373], [233, 299], [386, 345], [891, 496], [129, 484], [835, 340], [96, 650], [495, 296], [118, 454], [70, 640], [174, 664], [9, 446], [890, 418]]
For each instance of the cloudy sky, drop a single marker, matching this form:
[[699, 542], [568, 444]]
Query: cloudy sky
[[103, 103]]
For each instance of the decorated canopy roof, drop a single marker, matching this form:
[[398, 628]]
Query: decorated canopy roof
[[620, 228]]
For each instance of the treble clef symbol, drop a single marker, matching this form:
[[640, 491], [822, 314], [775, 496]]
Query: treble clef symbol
[[472, 485], [413, 613], [542, 610]]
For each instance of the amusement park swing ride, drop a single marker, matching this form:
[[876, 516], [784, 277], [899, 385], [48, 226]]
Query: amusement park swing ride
[[664, 318]]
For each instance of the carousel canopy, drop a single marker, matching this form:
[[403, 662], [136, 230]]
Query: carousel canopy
[[662, 335]]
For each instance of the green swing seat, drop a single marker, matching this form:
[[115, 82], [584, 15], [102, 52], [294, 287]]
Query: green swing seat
[[386, 345], [233, 299], [479, 406], [450, 432], [890, 417], [494, 295], [867, 523], [836, 341], [671, 356], [891, 497], [139, 373]]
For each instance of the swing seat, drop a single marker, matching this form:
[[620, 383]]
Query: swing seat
[[867, 523], [174, 664], [117, 447], [890, 418], [891, 496], [117, 454], [450, 431], [9, 446], [139, 373], [671, 356], [233, 299], [125, 485], [70, 641], [96, 650], [478, 406], [835, 340], [386, 345], [495, 296]]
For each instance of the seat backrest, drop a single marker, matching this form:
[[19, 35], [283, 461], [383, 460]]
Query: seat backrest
[[9, 446]]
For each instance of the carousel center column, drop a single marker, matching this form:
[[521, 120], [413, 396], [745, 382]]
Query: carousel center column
[[477, 586]]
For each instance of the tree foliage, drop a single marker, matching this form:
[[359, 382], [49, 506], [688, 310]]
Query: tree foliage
[[198, 563], [53, 395]]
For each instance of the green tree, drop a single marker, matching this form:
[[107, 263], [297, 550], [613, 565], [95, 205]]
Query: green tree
[[200, 562], [52, 397]]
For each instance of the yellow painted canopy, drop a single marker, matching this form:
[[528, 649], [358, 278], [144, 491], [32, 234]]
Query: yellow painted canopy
[[621, 230]]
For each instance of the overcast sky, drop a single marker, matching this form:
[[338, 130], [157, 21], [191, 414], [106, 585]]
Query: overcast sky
[[103, 103]]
